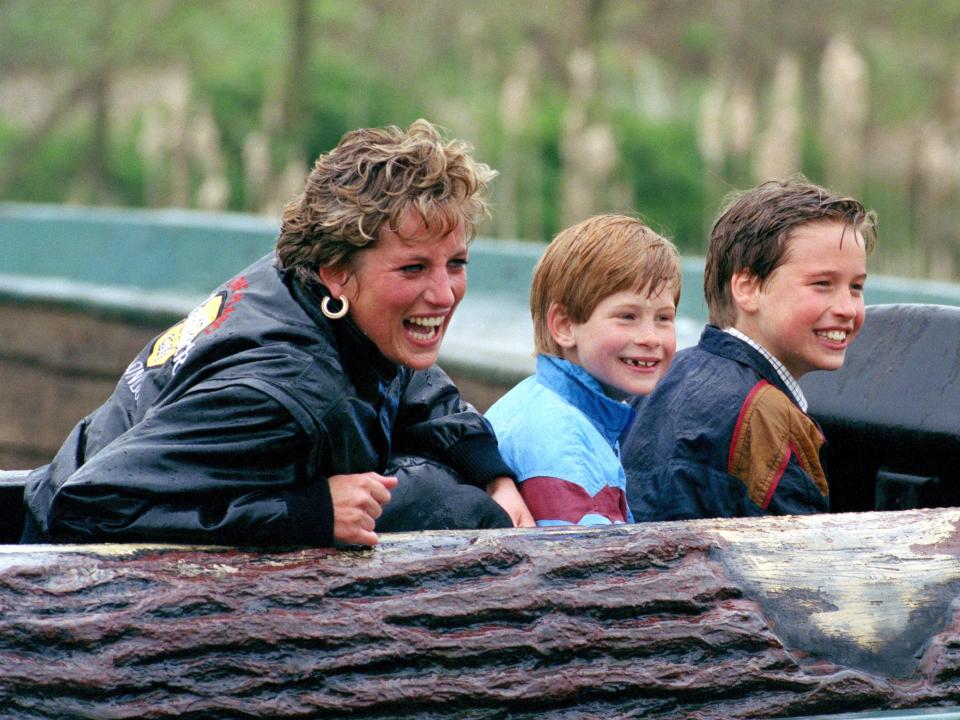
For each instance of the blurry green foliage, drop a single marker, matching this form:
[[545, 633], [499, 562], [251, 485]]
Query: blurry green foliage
[[127, 171], [664, 167], [52, 167], [374, 62]]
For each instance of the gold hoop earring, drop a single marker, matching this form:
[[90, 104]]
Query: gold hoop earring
[[334, 314]]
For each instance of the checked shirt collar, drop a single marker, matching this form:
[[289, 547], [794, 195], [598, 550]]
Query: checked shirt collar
[[782, 371]]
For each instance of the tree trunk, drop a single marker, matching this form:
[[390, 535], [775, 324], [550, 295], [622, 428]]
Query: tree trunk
[[745, 618], [297, 71]]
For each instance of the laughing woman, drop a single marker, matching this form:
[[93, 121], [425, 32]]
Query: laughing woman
[[271, 413]]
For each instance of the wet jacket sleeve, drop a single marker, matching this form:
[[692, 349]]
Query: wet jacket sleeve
[[434, 421], [219, 465]]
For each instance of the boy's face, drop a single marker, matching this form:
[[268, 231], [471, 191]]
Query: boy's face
[[628, 341], [811, 307]]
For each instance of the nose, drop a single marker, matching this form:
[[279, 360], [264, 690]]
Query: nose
[[647, 335], [441, 292], [847, 305]]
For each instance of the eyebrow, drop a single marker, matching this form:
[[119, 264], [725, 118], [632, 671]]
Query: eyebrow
[[422, 256], [641, 306], [814, 273]]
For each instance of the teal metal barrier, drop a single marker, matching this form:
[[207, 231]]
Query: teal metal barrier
[[168, 250], [164, 262]]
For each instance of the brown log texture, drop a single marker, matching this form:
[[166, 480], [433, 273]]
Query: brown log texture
[[745, 618]]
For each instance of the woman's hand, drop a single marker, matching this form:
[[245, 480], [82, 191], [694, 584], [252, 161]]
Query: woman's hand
[[504, 491], [358, 501]]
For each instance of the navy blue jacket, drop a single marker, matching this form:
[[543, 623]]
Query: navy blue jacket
[[224, 428], [721, 436]]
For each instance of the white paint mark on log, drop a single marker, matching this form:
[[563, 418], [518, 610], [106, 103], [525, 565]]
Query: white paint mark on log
[[861, 580]]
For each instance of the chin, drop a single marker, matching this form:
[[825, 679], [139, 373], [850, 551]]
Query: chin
[[643, 387], [834, 362], [419, 362], [827, 366]]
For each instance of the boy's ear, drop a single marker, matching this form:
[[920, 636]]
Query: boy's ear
[[745, 290], [560, 326]]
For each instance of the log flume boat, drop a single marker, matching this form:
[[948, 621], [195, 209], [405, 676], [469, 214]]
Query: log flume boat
[[853, 611]]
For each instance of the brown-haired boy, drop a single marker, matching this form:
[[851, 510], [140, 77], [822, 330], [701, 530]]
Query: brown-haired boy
[[603, 300], [726, 432]]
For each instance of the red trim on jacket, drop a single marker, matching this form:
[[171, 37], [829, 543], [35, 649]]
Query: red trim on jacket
[[739, 424]]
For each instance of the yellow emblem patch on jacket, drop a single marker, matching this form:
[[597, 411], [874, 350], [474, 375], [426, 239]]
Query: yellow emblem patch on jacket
[[769, 430], [180, 336]]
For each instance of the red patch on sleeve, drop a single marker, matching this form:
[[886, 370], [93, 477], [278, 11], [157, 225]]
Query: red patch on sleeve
[[552, 498]]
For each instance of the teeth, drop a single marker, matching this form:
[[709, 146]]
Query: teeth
[[426, 321], [423, 336], [835, 335], [640, 363], [430, 326]]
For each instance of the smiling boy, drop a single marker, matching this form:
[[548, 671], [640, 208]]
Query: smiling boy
[[726, 432], [603, 299]]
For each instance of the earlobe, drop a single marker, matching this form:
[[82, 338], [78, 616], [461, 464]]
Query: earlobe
[[560, 326], [745, 290]]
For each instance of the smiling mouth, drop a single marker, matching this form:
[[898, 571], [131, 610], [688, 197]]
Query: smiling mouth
[[837, 336], [423, 329]]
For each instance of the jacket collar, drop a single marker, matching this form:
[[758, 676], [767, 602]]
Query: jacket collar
[[716, 341], [581, 389]]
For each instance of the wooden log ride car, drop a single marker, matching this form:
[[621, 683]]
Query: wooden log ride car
[[737, 618]]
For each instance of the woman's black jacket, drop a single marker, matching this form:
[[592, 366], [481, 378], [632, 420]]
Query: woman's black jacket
[[225, 427]]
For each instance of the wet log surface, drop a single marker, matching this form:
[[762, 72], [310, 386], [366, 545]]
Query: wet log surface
[[747, 618]]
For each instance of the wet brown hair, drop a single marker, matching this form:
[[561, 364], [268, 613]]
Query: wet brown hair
[[591, 261], [753, 230], [369, 180]]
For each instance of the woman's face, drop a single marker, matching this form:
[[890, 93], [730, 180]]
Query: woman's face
[[403, 291]]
